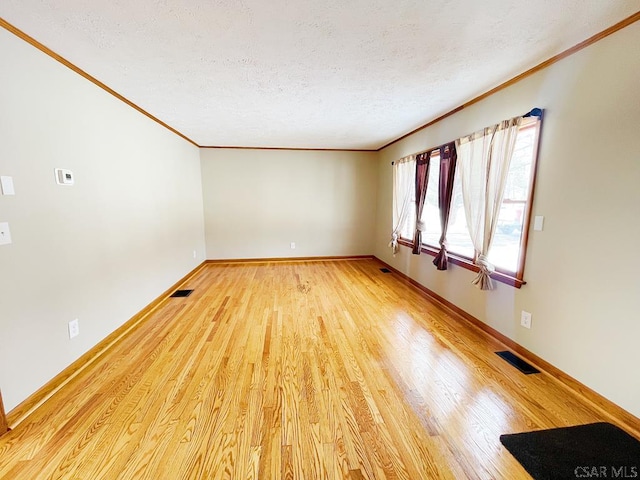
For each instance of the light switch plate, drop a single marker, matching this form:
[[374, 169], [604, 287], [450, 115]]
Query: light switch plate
[[538, 223], [5, 234], [7, 185]]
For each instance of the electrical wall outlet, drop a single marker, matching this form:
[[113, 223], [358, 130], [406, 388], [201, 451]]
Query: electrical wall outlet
[[195, 254], [74, 328], [5, 234], [293, 245], [525, 319]]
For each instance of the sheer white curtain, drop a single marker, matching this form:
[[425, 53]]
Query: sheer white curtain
[[404, 177], [483, 162]]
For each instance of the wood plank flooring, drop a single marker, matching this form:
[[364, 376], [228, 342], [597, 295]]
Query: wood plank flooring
[[309, 370]]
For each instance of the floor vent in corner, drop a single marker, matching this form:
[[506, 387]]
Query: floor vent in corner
[[385, 270], [517, 362], [181, 293]]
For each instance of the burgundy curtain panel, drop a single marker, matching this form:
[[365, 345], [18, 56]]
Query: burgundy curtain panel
[[448, 157], [422, 177]]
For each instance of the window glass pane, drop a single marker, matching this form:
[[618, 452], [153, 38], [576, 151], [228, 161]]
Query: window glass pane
[[505, 250], [409, 226], [431, 212], [458, 239], [405, 176]]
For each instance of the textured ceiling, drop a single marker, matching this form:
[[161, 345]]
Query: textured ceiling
[[306, 73]]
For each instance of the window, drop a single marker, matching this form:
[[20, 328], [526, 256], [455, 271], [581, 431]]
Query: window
[[431, 211], [458, 239], [509, 242], [406, 172]]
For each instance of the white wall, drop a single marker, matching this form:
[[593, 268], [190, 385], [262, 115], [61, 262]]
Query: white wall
[[99, 251], [257, 202], [583, 270]]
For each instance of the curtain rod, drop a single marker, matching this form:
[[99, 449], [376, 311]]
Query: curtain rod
[[534, 112]]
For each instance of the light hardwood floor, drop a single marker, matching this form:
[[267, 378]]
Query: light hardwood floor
[[314, 370]]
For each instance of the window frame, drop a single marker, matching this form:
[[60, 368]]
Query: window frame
[[514, 279]]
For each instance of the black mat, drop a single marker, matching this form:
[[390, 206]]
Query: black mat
[[596, 450]]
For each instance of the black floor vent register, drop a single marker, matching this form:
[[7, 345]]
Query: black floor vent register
[[385, 270], [181, 293], [595, 450], [517, 362]]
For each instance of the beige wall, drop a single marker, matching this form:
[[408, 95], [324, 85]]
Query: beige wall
[[101, 250], [257, 202], [583, 269]]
